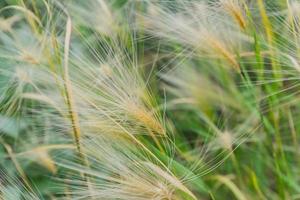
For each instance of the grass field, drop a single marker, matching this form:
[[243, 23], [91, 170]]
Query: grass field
[[150, 99]]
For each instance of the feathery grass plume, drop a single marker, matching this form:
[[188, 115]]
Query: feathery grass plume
[[191, 86], [25, 55], [23, 71], [117, 97], [11, 189], [198, 26], [120, 170], [107, 74], [234, 8], [190, 90], [113, 88], [101, 16], [232, 137]]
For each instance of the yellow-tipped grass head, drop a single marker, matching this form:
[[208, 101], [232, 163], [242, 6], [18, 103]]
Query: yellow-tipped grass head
[[234, 8]]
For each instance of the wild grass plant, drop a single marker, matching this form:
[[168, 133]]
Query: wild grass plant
[[138, 100]]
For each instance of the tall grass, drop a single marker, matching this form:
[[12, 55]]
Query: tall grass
[[157, 100]]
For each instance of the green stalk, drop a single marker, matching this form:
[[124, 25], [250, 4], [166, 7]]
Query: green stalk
[[270, 37], [69, 92]]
